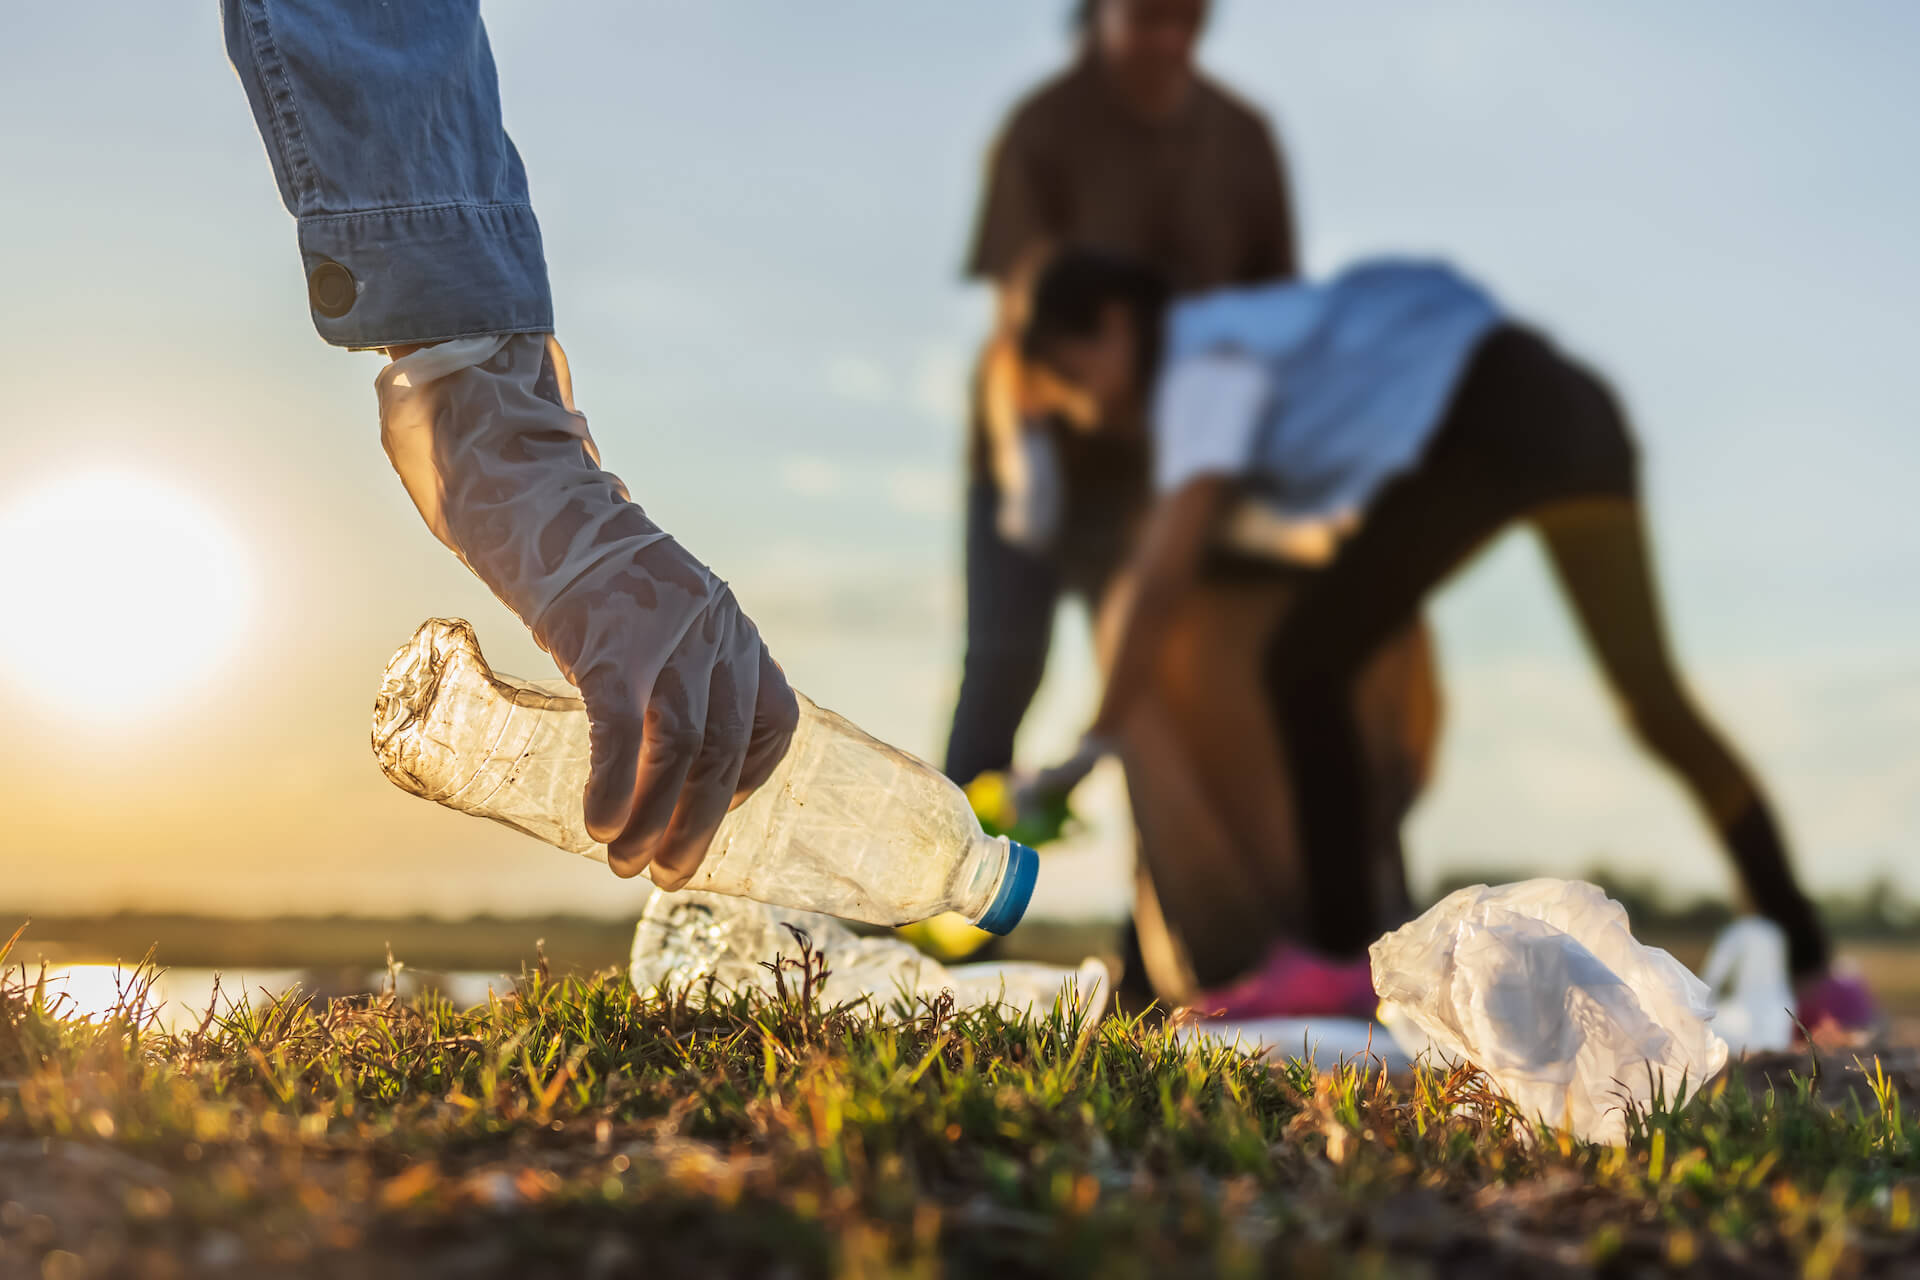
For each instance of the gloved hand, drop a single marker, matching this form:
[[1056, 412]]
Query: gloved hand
[[1032, 492], [689, 712], [1034, 792]]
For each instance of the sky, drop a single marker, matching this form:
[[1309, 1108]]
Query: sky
[[754, 214]]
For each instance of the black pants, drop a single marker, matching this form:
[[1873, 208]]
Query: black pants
[[1011, 595], [1012, 592], [1529, 436]]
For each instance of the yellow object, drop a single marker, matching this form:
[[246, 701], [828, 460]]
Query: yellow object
[[992, 799], [996, 804], [946, 937], [951, 936]]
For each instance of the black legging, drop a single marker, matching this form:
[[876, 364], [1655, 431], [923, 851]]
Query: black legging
[[1529, 436]]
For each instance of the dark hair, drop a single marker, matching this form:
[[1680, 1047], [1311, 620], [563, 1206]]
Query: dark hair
[[1081, 17], [1076, 285]]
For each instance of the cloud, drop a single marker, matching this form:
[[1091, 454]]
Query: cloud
[[934, 385], [860, 380], [938, 387], [931, 492], [925, 492], [811, 477], [1537, 770]]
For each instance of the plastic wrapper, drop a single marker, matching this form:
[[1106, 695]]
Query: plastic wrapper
[[1542, 986], [1323, 1042], [1746, 968], [685, 938]]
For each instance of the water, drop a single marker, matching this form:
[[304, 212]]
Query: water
[[178, 999]]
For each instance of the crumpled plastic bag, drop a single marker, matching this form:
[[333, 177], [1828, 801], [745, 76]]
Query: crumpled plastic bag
[[684, 938], [1541, 985], [1746, 969]]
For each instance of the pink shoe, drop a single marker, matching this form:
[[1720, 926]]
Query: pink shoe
[[1832, 1002], [1293, 982]]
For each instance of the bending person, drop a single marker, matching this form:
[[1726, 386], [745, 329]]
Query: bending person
[[1401, 422], [1134, 148], [417, 236]]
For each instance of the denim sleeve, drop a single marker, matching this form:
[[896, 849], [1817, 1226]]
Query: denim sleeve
[[382, 121]]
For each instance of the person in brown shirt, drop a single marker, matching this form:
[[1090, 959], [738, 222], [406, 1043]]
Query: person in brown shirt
[[1178, 171], [1133, 150]]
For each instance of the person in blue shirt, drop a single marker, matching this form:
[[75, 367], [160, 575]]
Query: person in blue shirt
[[417, 237], [1396, 421]]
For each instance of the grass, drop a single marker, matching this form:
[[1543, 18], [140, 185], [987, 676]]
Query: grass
[[577, 1128]]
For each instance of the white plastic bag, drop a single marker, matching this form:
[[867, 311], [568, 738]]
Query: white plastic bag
[[684, 938], [1746, 970], [1541, 986]]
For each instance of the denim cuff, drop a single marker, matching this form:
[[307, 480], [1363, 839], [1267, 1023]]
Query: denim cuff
[[385, 277]]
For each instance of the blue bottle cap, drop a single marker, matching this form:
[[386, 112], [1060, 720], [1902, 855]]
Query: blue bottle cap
[[1016, 890]]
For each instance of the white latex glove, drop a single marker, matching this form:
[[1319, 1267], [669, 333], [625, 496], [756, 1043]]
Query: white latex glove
[[1033, 790], [1032, 492], [689, 711]]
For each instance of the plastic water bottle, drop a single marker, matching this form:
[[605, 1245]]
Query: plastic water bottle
[[686, 938], [846, 825]]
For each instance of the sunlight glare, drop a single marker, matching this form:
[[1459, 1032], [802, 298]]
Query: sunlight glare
[[125, 595]]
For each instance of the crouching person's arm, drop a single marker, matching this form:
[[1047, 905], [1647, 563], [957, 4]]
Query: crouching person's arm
[[1165, 566], [1172, 548]]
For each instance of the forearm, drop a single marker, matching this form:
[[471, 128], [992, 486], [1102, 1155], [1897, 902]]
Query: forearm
[[1166, 564], [1142, 632], [688, 712], [382, 122], [1000, 405], [506, 474]]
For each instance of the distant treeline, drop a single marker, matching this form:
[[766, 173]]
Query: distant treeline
[[502, 944], [1878, 911], [484, 944]]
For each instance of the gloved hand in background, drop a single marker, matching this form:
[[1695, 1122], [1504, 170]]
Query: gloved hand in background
[[1048, 789], [689, 711]]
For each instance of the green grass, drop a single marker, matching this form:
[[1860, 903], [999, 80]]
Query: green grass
[[579, 1129]]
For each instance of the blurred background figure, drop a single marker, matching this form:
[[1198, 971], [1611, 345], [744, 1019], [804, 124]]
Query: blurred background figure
[[1133, 150], [1397, 421]]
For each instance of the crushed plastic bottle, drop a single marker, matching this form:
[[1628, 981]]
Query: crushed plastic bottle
[[687, 937], [1322, 1042], [846, 825], [1542, 986]]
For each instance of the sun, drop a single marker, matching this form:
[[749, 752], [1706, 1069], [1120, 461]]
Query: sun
[[124, 594]]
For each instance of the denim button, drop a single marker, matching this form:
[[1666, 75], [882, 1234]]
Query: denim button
[[330, 289]]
